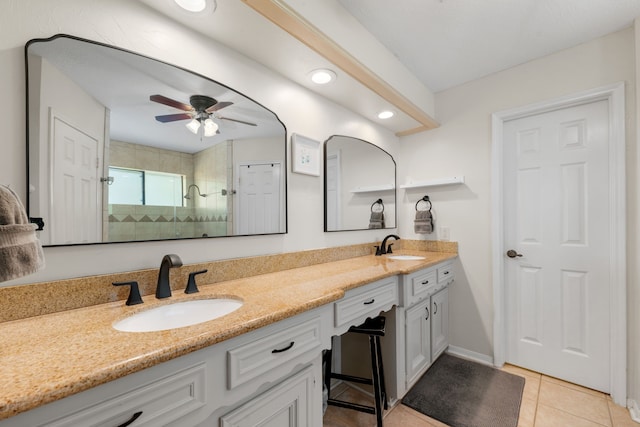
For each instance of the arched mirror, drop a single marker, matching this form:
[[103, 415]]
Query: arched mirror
[[360, 185], [123, 148]]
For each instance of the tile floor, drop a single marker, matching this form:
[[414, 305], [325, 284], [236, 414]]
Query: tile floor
[[546, 402]]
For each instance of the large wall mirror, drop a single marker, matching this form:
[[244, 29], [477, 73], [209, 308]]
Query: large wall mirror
[[360, 185], [122, 147]]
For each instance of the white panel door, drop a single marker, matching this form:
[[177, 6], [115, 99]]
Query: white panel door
[[76, 199], [439, 323], [258, 210], [557, 223], [289, 404]]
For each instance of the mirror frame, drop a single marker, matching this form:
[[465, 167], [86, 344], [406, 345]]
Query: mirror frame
[[395, 190], [40, 222]]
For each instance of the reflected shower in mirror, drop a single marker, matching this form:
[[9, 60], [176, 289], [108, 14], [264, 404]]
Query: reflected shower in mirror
[[360, 181], [124, 148]]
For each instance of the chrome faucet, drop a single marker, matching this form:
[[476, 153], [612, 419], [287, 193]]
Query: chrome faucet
[[383, 248], [163, 290]]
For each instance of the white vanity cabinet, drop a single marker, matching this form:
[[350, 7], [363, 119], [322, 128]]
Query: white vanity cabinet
[[418, 339], [424, 302], [171, 393], [273, 373]]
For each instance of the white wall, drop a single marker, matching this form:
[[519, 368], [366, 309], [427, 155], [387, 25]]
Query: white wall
[[462, 146], [133, 26], [633, 245]]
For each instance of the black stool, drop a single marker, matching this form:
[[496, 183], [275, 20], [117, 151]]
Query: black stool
[[375, 329]]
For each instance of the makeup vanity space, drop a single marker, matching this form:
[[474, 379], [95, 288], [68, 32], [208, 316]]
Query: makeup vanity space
[[260, 365]]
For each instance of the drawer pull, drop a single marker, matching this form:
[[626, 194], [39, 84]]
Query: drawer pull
[[425, 282], [281, 350], [427, 318], [371, 301], [435, 310], [131, 420], [445, 273]]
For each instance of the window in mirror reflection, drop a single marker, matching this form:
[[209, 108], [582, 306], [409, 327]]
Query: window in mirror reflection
[[135, 187]]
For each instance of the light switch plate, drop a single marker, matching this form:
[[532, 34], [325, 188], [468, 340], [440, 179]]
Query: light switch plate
[[445, 233]]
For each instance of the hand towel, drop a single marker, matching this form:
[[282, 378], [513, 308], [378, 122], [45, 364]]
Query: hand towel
[[20, 250], [423, 223], [376, 220]]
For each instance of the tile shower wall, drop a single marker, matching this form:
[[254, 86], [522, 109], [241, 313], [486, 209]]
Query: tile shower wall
[[200, 216]]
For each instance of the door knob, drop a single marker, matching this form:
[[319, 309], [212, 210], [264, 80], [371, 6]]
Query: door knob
[[512, 254]]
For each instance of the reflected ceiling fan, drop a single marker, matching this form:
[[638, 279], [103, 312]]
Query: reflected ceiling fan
[[199, 113]]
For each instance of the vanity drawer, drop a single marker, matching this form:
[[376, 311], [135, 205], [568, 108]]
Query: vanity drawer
[[422, 285], [160, 402], [255, 358], [445, 273], [366, 301]]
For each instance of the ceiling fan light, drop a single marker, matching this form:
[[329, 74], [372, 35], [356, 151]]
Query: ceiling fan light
[[193, 126], [192, 5], [210, 127]]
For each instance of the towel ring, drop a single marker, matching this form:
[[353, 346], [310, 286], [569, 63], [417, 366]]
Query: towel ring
[[377, 202], [426, 200]]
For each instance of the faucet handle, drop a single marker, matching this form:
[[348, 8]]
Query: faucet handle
[[191, 283], [378, 251], [389, 248], [134, 292]]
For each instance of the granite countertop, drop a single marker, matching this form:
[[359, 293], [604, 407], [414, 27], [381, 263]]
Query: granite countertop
[[49, 357]]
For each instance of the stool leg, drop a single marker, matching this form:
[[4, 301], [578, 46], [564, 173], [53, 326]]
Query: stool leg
[[383, 387], [328, 359], [376, 378]]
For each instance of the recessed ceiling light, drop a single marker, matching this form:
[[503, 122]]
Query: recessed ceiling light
[[385, 114], [322, 76], [192, 5]]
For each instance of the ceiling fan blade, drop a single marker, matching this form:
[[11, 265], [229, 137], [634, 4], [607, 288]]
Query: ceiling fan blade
[[173, 117], [170, 102], [218, 106], [239, 121]]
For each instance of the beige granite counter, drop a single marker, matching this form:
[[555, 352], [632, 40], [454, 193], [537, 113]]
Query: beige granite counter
[[47, 357]]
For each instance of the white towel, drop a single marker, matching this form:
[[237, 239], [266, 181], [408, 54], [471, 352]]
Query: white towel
[[423, 223], [20, 250]]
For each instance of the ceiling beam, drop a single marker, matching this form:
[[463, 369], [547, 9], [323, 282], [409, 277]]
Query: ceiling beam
[[293, 23]]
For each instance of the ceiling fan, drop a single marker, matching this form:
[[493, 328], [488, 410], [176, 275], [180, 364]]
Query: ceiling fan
[[199, 113]]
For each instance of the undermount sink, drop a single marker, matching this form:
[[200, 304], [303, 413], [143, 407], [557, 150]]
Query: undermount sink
[[405, 257], [178, 315]]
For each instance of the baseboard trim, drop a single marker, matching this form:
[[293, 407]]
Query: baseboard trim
[[471, 355], [634, 410]]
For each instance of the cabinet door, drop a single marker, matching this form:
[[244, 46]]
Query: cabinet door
[[439, 322], [417, 343], [289, 404]]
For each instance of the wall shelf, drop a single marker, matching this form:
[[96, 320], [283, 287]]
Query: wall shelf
[[374, 188], [435, 182]]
